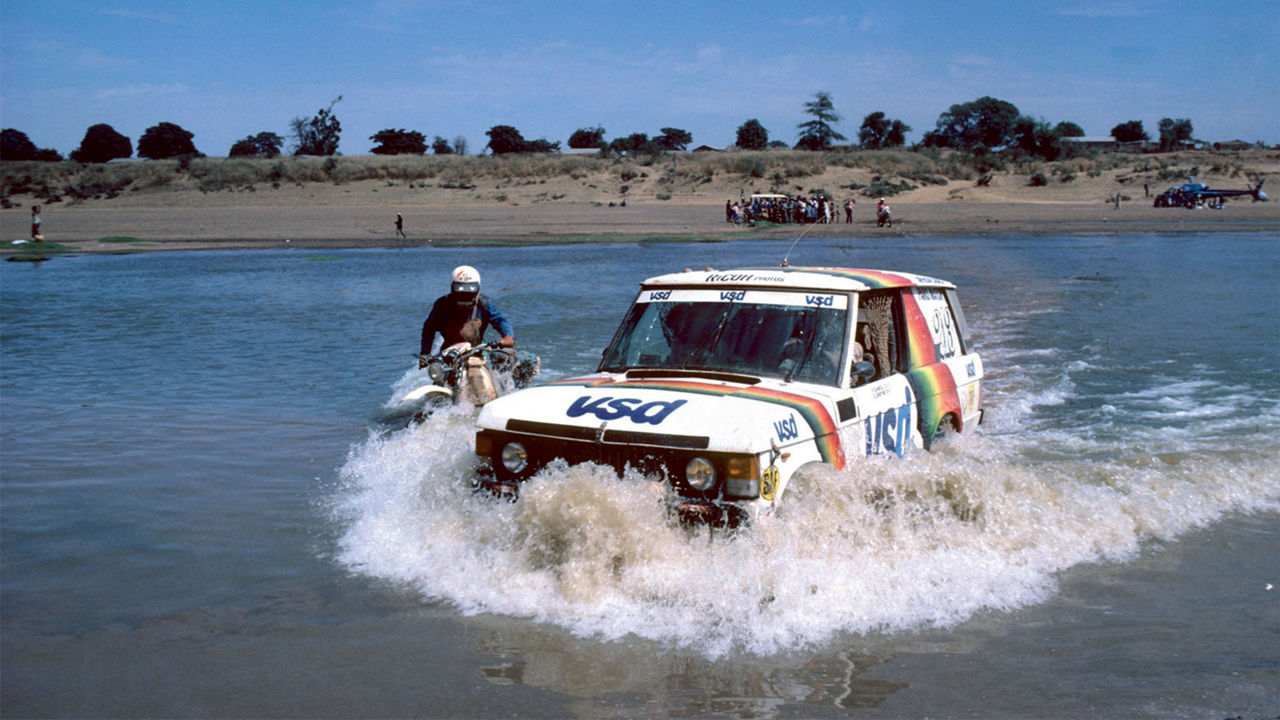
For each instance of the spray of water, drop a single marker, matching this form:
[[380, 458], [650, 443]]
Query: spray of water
[[985, 523]]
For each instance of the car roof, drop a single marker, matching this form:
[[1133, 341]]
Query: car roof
[[808, 278]]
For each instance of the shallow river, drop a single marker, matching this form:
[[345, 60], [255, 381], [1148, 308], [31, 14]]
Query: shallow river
[[204, 512]]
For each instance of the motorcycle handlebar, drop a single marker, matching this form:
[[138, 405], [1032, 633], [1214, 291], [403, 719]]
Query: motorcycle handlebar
[[495, 345]]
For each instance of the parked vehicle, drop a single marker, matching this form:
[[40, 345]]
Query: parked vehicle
[[727, 384]]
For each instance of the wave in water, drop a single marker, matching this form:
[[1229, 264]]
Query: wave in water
[[984, 523]]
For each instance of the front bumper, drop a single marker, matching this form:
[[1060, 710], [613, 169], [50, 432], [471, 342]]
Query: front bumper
[[737, 475]]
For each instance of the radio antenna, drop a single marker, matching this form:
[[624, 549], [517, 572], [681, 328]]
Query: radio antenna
[[786, 258]]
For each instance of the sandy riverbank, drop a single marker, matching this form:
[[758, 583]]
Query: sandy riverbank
[[586, 206]]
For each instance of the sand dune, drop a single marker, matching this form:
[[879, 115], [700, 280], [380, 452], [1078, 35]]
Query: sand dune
[[588, 206]]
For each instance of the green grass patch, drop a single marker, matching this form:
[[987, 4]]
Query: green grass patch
[[120, 239], [43, 248]]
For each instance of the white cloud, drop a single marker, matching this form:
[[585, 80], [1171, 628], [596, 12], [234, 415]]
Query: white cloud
[[137, 15], [1107, 9], [146, 89], [98, 60], [974, 60]]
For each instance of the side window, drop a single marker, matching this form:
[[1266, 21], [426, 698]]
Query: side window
[[879, 320], [936, 309], [961, 328]]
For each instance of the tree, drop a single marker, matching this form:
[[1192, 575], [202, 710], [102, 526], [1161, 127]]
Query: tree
[[1035, 137], [978, 126], [399, 142], [440, 146], [633, 143], [459, 145], [817, 134], [1173, 133], [1067, 129], [505, 139], [587, 138], [1130, 132], [878, 131], [263, 145], [318, 135], [673, 139], [752, 135], [102, 143], [15, 145], [165, 140]]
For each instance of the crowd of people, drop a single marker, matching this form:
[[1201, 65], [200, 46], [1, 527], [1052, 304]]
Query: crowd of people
[[784, 210]]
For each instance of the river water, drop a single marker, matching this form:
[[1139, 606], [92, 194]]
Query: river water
[[205, 512]]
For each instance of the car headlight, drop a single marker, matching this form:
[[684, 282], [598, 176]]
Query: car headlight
[[700, 474], [514, 457]]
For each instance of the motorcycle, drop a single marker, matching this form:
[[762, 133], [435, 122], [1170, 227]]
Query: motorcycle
[[466, 373]]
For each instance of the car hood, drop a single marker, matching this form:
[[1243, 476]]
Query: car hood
[[674, 411]]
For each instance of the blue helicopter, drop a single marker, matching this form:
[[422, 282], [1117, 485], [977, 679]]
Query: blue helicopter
[[1191, 194]]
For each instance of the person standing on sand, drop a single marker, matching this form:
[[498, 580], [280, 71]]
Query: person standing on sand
[[848, 211], [400, 226], [35, 224]]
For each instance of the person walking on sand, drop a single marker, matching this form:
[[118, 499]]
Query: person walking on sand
[[848, 211], [400, 226], [35, 224]]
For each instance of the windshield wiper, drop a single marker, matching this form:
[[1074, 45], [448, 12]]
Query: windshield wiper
[[704, 353], [809, 334]]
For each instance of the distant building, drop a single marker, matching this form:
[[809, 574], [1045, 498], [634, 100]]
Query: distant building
[[1094, 142], [1234, 145], [705, 148]]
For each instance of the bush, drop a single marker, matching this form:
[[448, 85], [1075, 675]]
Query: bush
[[1039, 180], [102, 143], [165, 140], [880, 187], [399, 142]]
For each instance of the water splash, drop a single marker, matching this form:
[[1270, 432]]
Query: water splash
[[983, 524]]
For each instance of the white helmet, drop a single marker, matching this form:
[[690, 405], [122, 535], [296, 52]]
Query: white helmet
[[465, 279]]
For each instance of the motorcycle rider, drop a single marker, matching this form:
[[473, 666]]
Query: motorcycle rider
[[464, 314]]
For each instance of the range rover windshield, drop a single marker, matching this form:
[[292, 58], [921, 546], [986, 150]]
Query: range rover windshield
[[791, 335]]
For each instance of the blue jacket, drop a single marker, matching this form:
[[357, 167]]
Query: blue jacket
[[447, 318]]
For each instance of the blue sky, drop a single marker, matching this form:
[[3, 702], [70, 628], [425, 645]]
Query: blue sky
[[228, 69]]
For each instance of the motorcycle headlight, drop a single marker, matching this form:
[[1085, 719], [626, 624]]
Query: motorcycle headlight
[[514, 457], [700, 474], [435, 369]]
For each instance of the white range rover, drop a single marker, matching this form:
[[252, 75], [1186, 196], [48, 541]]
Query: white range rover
[[726, 383]]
